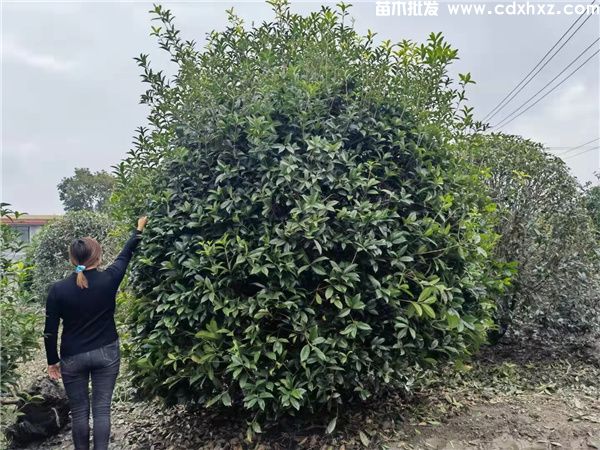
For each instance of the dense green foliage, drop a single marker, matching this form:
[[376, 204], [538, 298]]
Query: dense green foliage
[[19, 322], [422, 84], [546, 231], [86, 191], [312, 239], [592, 203], [48, 252]]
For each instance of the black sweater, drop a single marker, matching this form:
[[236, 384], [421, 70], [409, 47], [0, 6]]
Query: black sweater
[[87, 314]]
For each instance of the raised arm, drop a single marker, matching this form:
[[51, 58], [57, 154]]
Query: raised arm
[[119, 266], [51, 333]]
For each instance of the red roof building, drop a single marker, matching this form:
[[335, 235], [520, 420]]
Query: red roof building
[[28, 224]]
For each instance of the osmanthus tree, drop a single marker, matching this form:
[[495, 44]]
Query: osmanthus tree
[[312, 239], [545, 231]]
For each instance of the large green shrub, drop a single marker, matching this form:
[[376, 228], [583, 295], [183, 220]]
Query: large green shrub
[[310, 240], [49, 250], [546, 232]]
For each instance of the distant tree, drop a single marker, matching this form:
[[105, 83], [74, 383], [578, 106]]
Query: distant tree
[[86, 191]]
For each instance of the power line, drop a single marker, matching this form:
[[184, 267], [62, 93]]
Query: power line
[[502, 103], [549, 82], [559, 149], [540, 69], [550, 91], [582, 152], [583, 145], [568, 149]]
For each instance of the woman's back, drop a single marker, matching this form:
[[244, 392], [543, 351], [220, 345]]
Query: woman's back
[[89, 347], [87, 314]]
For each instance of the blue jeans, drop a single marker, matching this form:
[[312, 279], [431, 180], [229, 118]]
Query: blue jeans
[[102, 365]]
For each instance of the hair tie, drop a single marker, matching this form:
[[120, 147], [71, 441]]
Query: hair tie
[[79, 268]]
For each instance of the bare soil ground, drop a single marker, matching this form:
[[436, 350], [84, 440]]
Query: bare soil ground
[[530, 422], [519, 395]]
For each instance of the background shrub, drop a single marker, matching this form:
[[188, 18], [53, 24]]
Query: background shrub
[[311, 241], [546, 231], [19, 321], [592, 203], [49, 250]]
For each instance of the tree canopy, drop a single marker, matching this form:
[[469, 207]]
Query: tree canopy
[[86, 190]]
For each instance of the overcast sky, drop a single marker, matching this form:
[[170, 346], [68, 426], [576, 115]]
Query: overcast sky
[[70, 88]]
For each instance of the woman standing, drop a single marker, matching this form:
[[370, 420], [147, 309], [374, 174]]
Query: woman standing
[[89, 345]]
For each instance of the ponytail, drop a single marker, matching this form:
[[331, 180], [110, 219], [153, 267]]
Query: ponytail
[[85, 253], [82, 281]]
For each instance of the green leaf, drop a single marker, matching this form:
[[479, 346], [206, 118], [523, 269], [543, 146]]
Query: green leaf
[[350, 329], [344, 312], [417, 308], [428, 310], [331, 426], [453, 320], [318, 270], [426, 293], [319, 354], [374, 281], [305, 353], [363, 326], [226, 399], [364, 439], [207, 335]]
